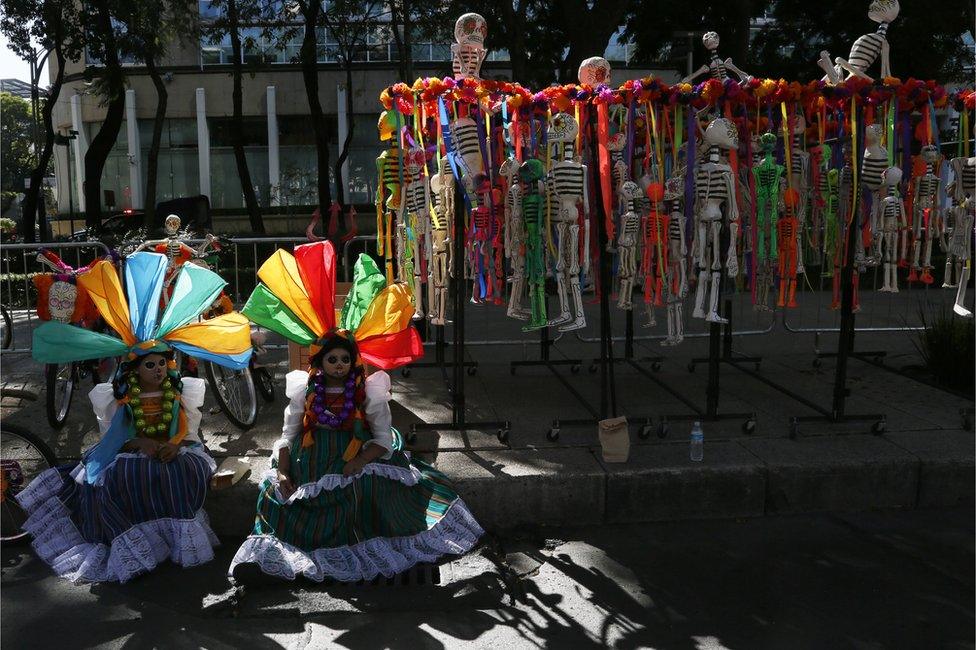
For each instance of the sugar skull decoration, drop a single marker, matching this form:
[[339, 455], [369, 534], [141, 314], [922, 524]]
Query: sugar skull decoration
[[469, 52], [594, 71], [61, 299]]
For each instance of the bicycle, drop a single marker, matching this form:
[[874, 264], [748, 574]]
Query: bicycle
[[22, 457]]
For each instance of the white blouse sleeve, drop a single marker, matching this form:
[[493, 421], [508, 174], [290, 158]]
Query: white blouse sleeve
[[194, 390], [104, 405], [295, 383], [377, 410]]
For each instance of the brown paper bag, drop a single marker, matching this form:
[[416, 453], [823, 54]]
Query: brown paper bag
[[615, 440]]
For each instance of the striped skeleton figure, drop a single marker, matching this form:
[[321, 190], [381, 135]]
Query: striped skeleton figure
[[566, 183], [627, 238], [441, 219], [800, 181], [515, 239], [715, 192], [413, 225], [962, 190], [675, 279], [464, 132], [873, 164], [469, 52], [866, 49], [716, 67], [926, 216], [891, 214]]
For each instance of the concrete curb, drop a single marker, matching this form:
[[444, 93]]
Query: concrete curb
[[744, 478]]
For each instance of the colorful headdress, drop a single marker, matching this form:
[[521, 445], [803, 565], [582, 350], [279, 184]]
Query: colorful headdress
[[134, 314], [296, 298]]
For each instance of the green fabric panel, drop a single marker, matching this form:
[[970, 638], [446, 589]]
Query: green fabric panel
[[265, 309], [195, 289], [367, 281], [56, 342]]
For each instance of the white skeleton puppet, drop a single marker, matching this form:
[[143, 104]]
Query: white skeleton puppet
[[890, 211], [716, 67], [174, 248], [469, 52], [676, 278], [566, 183], [413, 223], [627, 238], [865, 49], [800, 181], [515, 239], [441, 254], [464, 131], [926, 215], [873, 164], [962, 190], [715, 191]]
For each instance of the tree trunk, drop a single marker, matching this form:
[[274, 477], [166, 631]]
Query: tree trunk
[[237, 135], [344, 153], [319, 128], [32, 200], [407, 54], [152, 165], [101, 145], [589, 31], [515, 26], [395, 24]]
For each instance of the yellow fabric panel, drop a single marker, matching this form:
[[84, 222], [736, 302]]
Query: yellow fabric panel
[[280, 274], [227, 334], [105, 289], [390, 312]]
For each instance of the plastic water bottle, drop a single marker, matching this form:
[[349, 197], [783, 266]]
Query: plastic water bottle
[[697, 442]]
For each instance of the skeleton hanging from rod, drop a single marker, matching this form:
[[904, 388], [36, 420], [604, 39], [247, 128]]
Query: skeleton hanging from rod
[[873, 164], [388, 189], [440, 268], [531, 176], [676, 280], [716, 67], [464, 131], [824, 204], [768, 177], [627, 240], [414, 218], [176, 251], [515, 238], [469, 52], [866, 49], [962, 190], [566, 182], [800, 181], [890, 213], [926, 216], [788, 254], [715, 193], [655, 249]]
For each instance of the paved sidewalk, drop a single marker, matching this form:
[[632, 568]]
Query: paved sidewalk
[[924, 459]]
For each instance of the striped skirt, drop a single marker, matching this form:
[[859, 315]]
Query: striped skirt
[[141, 512], [392, 515]]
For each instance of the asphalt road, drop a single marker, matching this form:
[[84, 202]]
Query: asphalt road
[[867, 580]]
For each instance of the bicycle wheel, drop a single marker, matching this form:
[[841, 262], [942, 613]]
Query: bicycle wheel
[[235, 393], [61, 379], [6, 329], [22, 457], [264, 380]]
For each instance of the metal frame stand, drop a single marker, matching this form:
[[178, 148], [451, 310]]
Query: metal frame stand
[[439, 357]]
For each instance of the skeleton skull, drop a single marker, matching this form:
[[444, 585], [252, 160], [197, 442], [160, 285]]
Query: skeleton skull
[[872, 134], [470, 29], [594, 71], [891, 176], [386, 126], [414, 161], [883, 11], [710, 41], [722, 133], [563, 128], [930, 154], [630, 191], [617, 142], [531, 171], [61, 300], [172, 225]]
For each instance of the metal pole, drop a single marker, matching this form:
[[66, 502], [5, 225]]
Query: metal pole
[[457, 393], [607, 381]]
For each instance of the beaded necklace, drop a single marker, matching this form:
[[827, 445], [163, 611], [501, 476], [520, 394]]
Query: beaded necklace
[[169, 396], [323, 415]]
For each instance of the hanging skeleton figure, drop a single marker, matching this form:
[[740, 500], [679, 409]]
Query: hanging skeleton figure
[[873, 165], [824, 204], [654, 261], [177, 253], [531, 176], [890, 213], [567, 185], [413, 224], [388, 189], [441, 254], [800, 181], [768, 175], [788, 253], [630, 194], [962, 190], [715, 192], [866, 48], [676, 280], [469, 52], [926, 217], [464, 132], [716, 67], [514, 238]]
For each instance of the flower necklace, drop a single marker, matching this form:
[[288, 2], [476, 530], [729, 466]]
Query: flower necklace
[[169, 396], [323, 415]]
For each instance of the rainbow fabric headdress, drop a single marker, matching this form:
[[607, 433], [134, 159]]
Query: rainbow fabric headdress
[[134, 314], [296, 298]]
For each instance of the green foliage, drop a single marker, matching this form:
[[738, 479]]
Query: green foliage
[[948, 348], [16, 146]]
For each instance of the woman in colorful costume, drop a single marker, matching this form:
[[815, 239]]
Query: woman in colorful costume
[[136, 498], [342, 499]]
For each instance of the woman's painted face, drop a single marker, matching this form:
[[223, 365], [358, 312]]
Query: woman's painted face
[[152, 370], [336, 363]]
